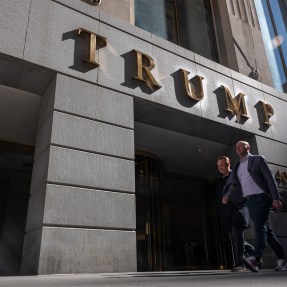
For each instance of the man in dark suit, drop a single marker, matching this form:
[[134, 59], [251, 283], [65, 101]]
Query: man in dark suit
[[233, 215], [252, 179]]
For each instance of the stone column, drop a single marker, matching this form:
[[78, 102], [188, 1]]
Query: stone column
[[81, 216], [123, 9], [240, 41]]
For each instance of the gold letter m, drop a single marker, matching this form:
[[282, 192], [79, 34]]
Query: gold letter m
[[236, 106]]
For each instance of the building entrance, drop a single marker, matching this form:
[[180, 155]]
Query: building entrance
[[15, 178], [177, 224]]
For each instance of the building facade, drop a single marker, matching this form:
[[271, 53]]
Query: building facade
[[109, 133]]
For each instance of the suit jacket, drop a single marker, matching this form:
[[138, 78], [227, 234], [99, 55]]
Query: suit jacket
[[233, 189], [230, 214], [260, 173]]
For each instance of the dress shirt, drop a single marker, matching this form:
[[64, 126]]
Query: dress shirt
[[249, 186]]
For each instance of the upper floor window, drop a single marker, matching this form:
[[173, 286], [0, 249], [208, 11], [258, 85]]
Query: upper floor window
[[272, 16], [188, 23]]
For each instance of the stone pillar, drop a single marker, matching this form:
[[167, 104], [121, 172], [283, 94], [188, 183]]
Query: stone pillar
[[81, 216], [240, 41], [123, 10]]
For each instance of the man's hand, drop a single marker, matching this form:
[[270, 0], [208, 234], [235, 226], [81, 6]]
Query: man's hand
[[225, 199], [277, 205]]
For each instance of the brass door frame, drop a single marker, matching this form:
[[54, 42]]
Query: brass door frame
[[153, 216]]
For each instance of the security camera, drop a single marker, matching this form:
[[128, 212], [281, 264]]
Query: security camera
[[254, 73], [95, 2]]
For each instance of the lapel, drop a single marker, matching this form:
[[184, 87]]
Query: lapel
[[234, 173], [250, 162]]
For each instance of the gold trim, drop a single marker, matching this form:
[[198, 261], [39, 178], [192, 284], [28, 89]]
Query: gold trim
[[144, 66], [93, 45], [236, 106], [268, 112]]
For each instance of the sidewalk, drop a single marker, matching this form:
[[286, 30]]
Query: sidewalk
[[214, 278]]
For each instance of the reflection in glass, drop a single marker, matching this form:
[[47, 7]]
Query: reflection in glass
[[273, 22]]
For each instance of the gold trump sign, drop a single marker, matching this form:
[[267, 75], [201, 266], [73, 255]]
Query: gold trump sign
[[235, 105]]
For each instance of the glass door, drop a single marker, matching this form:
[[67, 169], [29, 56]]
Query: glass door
[[191, 230], [177, 226]]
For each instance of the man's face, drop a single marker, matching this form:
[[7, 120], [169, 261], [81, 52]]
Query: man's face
[[222, 166], [242, 149]]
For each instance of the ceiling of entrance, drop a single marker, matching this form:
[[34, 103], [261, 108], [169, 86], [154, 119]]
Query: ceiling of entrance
[[180, 153], [18, 116], [21, 83]]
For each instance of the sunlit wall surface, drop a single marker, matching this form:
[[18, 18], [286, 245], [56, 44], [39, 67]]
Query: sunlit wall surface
[[272, 17], [188, 23]]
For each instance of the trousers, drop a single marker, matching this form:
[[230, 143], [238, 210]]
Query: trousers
[[259, 206], [242, 247]]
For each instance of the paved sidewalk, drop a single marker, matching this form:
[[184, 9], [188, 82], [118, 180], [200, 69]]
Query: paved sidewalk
[[212, 278]]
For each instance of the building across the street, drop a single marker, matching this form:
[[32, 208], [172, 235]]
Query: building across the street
[[112, 115]]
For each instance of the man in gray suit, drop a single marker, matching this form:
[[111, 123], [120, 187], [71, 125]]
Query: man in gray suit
[[252, 179], [233, 216]]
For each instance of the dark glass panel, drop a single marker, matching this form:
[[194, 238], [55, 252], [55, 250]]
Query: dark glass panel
[[176, 222], [184, 22]]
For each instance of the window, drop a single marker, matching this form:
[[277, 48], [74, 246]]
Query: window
[[187, 23], [273, 21]]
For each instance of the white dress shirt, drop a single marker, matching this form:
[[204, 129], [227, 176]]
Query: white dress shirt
[[249, 186]]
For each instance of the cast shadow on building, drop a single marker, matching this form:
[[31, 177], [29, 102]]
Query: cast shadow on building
[[221, 101], [180, 92], [254, 74], [130, 70], [262, 127], [81, 51]]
